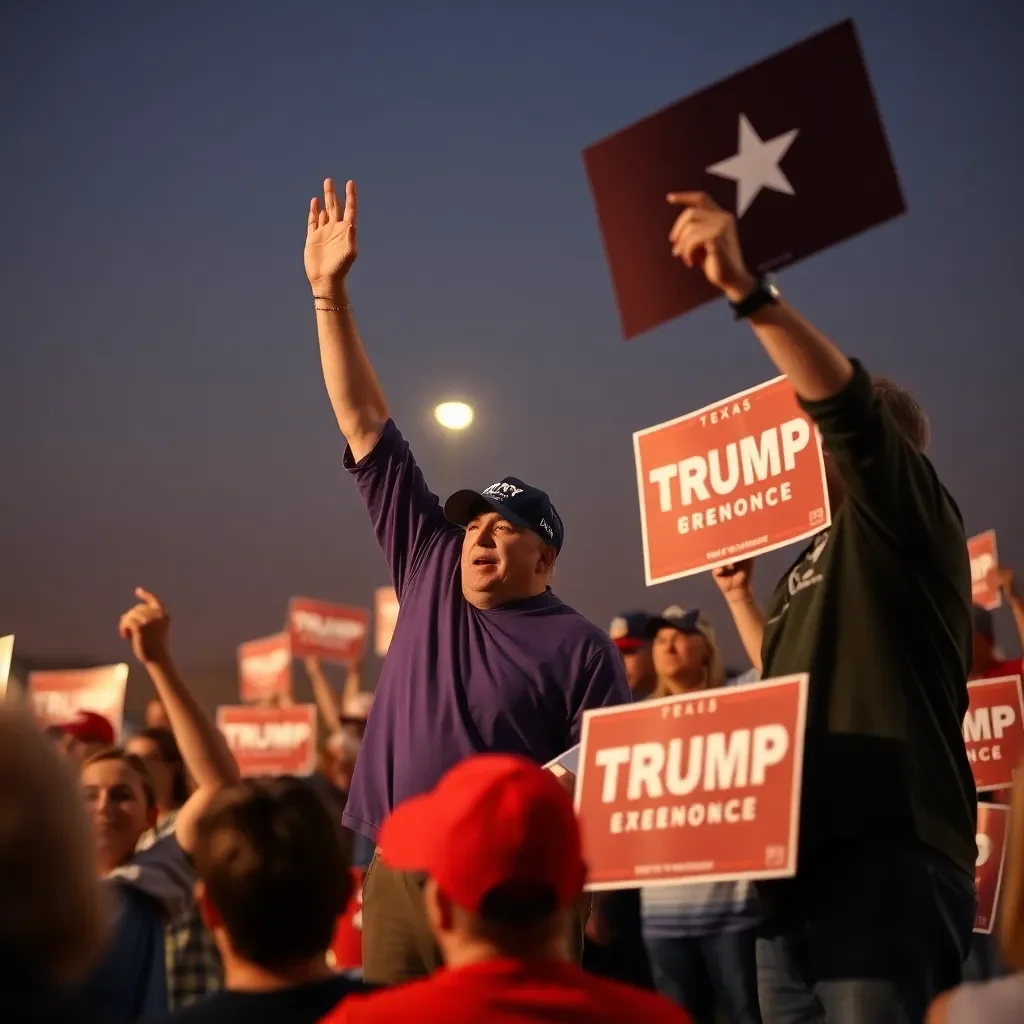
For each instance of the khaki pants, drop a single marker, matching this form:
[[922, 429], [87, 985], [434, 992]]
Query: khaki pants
[[398, 944]]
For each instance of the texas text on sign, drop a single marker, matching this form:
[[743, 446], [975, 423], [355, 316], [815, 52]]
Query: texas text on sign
[[320, 629], [57, 697], [270, 741], [697, 788], [794, 146], [984, 555], [729, 481], [265, 668], [988, 871], [994, 731]]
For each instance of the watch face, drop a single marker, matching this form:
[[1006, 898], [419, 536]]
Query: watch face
[[770, 286]]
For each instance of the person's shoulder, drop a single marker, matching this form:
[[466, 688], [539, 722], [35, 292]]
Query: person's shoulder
[[581, 627], [398, 1002], [997, 1002]]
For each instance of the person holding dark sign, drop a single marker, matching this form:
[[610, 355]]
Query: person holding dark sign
[[877, 609]]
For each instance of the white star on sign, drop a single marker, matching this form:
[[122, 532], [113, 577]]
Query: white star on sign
[[756, 165]]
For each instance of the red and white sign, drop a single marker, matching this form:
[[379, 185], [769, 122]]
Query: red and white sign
[[988, 870], [347, 945], [994, 730], [697, 788], [332, 632], [729, 481], [984, 558], [385, 618], [6, 653], [58, 696], [270, 741], [265, 668]]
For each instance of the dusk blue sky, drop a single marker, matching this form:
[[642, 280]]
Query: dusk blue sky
[[164, 421]]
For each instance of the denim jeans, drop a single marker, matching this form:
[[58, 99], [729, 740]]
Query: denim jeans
[[870, 935], [712, 977]]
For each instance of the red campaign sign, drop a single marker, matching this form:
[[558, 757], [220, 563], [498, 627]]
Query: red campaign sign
[[270, 741], [794, 146], [58, 696], [984, 557], [988, 870], [385, 617], [732, 480], [697, 788], [265, 669], [333, 632], [347, 945], [994, 731]]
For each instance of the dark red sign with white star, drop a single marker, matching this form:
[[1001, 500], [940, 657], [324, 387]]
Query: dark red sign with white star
[[794, 146]]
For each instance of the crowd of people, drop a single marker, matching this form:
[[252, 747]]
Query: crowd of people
[[149, 879]]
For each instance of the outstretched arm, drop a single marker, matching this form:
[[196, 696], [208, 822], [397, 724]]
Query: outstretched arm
[[331, 249], [202, 746]]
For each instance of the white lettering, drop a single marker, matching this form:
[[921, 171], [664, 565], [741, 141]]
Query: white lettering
[[988, 723], [326, 627], [272, 663], [245, 736], [719, 761]]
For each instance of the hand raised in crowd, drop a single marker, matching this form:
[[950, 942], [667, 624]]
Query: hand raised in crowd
[[704, 235], [331, 247], [734, 579], [1002, 579], [147, 625]]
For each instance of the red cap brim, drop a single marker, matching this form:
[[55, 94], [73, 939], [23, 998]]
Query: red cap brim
[[411, 836], [629, 643]]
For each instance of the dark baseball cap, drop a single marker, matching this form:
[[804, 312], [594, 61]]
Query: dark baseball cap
[[675, 617], [518, 502], [983, 623], [628, 631]]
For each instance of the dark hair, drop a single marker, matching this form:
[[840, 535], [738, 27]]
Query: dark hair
[[276, 868], [518, 905], [134, 762], [905, 410], [181, 787]]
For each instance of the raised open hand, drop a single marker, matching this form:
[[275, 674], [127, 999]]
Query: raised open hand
[[331, 247]]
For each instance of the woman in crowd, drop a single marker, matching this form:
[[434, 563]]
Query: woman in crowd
[[700, 938], [52, 919], [150, 888]]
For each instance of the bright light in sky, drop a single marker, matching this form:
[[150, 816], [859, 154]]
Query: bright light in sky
[[454, 415]]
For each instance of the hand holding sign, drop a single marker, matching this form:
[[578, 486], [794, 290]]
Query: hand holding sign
[[734, 579], [148, 627], [705, 235], [330, 238], [999, 579]]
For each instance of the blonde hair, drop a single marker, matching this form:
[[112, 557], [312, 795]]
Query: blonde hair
[[51, 905], [1011, 910], [714, 669]]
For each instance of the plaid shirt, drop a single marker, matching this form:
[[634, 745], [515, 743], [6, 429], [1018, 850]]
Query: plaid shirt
[[190, 955]]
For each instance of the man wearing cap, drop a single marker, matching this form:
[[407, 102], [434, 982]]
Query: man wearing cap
[[484, 656], [629, 633], [500, 847]]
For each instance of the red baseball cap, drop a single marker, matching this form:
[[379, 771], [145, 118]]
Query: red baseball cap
[[491, 820], [89, 727]]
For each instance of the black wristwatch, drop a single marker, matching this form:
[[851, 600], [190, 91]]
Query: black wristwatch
[[764, 293]]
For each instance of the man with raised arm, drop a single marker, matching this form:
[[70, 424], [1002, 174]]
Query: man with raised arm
[[484, 656], [878, 610]]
